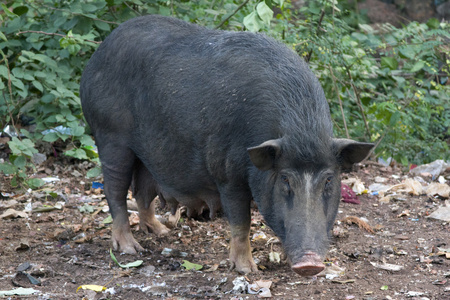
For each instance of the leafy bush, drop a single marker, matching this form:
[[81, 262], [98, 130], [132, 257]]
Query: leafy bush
[[385, 84], [382, 84], [46, 44]]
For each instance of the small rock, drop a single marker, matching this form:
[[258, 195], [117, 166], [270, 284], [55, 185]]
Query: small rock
[[38, 158]]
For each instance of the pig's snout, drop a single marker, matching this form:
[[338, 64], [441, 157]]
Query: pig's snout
[[310, 264]]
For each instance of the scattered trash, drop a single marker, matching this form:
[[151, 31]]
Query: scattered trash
[[24, 279], [404, 213], [134, 264], [379, 179], [332, 271], [409, 186], [50, 179], [443, 251], [240, 284], [97, 185], [24, 244], [20, 292], [378, 188], [9, 131], [348, 195], [356, 185], [361, 224], [384, 288], [261, 288], [387, 267], [12, 213], [191, 266], [173, 253], [23, 267], [92, 287], [343, 281], [386, 162], [442, 213], [414, 294], [434, 169], [274, 257], [7, 195], [439, 189], [60, 129], [259, 236]]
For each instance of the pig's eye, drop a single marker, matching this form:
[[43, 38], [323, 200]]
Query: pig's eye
[[328, 181], [286, 183]]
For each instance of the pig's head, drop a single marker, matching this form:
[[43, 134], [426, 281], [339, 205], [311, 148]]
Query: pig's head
[[297, 190]]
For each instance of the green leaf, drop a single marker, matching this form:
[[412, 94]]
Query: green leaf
[[94, 172], [87, 140], [8, 12], [50, 137], [34, 183], [134, 264], [252, 22], [38, 85], [77, 153], [48, 98], [8, 168], [91, 152], [77, 131], [407, 52], [3, 36], [433, 23], [102, 25], [189, 266], [107, 220], [20, 10], [264, 12], [86, 208], [20, 162], [389, 62], [384, 288], [89, 7], [417, 66]]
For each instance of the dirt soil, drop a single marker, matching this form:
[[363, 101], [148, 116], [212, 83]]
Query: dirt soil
[[57, 251]]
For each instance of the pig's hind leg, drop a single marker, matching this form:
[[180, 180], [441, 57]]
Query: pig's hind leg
[[117, 165], [144, 189]]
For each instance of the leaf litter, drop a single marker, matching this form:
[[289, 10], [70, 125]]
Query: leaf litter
[[87, 258]]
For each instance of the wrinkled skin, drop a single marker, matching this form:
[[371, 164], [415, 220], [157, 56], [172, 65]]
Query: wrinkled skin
[[199, 117]]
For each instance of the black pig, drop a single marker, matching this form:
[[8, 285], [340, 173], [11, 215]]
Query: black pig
[[216, 117]]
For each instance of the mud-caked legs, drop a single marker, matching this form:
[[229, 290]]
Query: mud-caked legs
[[236, 206]]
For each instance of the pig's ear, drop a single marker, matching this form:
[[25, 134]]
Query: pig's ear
[[264, 155], [350, 152]]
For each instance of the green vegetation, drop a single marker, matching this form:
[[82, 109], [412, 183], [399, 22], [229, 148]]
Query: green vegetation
[[384, 84]]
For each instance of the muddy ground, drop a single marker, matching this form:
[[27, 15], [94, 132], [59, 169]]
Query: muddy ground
[[69, 247]]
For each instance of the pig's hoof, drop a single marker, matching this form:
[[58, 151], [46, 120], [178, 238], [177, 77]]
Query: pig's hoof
[[127, 245], [245, 267], [155, 226], [309, 265]]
